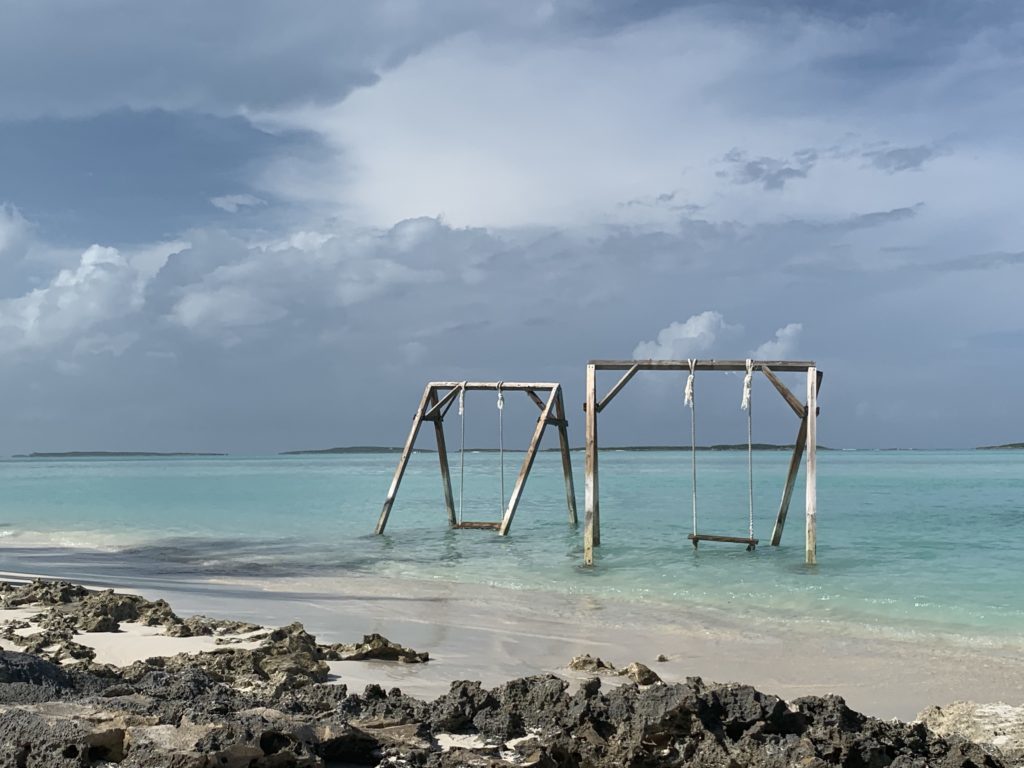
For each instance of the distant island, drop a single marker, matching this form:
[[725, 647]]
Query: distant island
[[1000, 447], [351, 449], [716, 447], [397, 449], [104, 454]]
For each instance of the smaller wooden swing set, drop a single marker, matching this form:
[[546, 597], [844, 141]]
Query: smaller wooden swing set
[[438, 398]]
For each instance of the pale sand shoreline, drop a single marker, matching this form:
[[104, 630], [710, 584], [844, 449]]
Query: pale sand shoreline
[[493, 635]]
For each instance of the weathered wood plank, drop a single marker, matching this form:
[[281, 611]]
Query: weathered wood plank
[[524, 470], [470, 525], [617, 388], [788, 396], [403, 461], [696, 538], [811, 543], [563, 444], [591, 527], [787, 366], [546, 386]]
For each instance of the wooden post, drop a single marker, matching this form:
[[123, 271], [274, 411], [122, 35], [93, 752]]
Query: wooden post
[[592, 520], [811, 546], [417, 421], [794, 469], [563, 444], [524, 470], [442, 457]]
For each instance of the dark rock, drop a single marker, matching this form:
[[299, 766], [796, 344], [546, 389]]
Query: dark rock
[[588, 663], [640, 674], [375, 647], [39, 592], [287, 659], [26, 668], [454, 712]]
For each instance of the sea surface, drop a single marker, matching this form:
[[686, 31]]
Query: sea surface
[[910, 543]]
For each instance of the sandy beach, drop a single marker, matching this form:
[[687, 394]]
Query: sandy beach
[[92, 676], [494, 635]]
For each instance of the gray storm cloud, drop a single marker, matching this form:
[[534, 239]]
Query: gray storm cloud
[[267, 229]]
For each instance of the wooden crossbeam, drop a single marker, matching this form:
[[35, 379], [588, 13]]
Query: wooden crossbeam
[[478, 526], [618, 387], [472, 386], [787, 366]]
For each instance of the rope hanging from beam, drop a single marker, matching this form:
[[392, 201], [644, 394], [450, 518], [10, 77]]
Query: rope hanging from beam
[[688, 400], [462, 446], [501, 446], [748, 381]]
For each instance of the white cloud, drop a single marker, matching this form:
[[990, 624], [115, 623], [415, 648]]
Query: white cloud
[[102, 286], [231, 203], [783, 346], [106, 284], [680, 341]]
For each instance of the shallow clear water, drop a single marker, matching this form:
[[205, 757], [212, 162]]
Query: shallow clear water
[[910, 542]]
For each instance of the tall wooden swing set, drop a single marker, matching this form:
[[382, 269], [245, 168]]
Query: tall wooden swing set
[[440, 396]]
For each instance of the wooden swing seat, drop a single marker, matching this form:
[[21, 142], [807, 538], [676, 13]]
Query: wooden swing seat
[[696, 538], [479, 526]]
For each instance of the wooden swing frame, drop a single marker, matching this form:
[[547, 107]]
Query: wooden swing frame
[[806, 440], [438, 398]]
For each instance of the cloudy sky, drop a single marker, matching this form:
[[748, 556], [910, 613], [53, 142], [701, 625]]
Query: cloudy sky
[[260, 226]]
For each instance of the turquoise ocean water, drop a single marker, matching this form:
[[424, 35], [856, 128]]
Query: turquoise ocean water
[[909, 541]]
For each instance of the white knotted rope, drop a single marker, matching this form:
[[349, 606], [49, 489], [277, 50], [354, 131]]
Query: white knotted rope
[[688, 399], [462, 446], [501, 445], [746, 405], [747, 382]]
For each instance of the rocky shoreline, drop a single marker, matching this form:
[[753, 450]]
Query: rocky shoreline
[[262, 697]]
